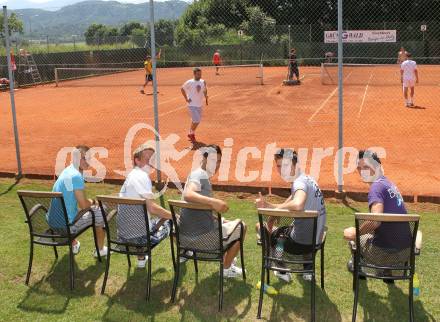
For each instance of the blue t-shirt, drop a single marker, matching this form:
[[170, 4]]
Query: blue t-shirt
[[389, 235], [68, 181]]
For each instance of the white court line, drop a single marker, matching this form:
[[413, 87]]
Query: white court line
[[365, 96], [327, 100]]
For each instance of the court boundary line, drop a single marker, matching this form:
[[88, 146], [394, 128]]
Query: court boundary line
[[324, 103], [365, 96]]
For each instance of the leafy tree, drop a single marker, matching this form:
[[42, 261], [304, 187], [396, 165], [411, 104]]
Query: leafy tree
[[95, 33], [128, 28], [14, 24], [139, 37], [259, 25], [165, 32]]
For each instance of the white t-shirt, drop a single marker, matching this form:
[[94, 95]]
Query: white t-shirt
[[195, 91], [409, 67], [130, 220], [315, 201]]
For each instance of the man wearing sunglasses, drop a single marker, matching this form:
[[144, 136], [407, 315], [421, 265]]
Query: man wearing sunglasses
[[305, 195], [383, 197]]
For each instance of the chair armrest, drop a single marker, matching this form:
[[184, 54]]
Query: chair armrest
[[419, 240], [36, 208], [324, 235], [81, 213]]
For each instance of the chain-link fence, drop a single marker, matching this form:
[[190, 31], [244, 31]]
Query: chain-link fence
[[87, 90]]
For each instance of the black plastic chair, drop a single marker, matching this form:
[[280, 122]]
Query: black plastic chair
[[36, 205], [126, 221], [289, 258], [385, 263], [209, 247]]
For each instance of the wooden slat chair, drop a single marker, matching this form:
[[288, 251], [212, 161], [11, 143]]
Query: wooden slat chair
[[395, 261], [51, 230], [208, 247], [127, 223], [288, 259]]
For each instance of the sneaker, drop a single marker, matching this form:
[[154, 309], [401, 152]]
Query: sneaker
[[103, 252], [286, 277], [76, 248], [307, 277], [233, 271], [142, 262], [184, 259]]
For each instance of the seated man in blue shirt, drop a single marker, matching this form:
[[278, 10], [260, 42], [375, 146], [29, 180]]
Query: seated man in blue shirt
[[71, 183]]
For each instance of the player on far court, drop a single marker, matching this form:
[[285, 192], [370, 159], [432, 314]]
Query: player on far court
[[293, 65], [217, 61], [402, 55], [148, 65], [409, 76], [194, 91]]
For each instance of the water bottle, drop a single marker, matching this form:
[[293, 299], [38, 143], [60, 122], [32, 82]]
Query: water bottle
[[279, 248], [416, 285], [270, 290]]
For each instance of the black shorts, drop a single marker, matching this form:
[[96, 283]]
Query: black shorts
[[149, 77]]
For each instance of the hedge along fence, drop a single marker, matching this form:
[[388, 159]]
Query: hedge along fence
[[427, 52]]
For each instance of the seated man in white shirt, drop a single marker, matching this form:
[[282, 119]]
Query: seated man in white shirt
[[138, 185]]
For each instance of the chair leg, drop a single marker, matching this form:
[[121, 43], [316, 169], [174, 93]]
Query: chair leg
[[196, 268], [149, 278], [411, 300], [268, 276], [95, 239], [128, 257], [31, 258], [322, 267], [107, 268], [173, 255], [312, 295], [72, 267], [242, 259], [260, 301], [176, 279], [356, 295], [55, 251], [220, 298]]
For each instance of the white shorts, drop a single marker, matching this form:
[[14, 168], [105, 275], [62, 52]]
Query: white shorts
[[409, 83]]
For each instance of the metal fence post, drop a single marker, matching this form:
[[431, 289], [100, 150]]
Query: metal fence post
[[11, 90], [155, 102], [340, 98]]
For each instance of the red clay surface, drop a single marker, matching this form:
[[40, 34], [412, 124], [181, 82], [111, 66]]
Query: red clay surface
[[99, 111]]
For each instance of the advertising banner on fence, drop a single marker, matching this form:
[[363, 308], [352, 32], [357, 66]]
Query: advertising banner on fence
[[361, 36]]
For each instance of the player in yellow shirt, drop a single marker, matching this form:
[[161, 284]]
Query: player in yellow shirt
[[148, 65]]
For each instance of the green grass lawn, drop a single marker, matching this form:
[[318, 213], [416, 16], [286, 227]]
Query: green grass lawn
[[48, 297]]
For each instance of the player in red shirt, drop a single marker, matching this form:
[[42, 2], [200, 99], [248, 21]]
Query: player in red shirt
[[217, 61]]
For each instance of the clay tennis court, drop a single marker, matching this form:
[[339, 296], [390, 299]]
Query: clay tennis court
[[99, 111]]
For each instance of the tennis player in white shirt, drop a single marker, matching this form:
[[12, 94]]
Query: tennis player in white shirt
[[409, 76]]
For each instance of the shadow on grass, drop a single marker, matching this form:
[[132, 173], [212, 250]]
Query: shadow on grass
[[51, 294], [393, 306], [285, 304], [9, 189], [132, 296]]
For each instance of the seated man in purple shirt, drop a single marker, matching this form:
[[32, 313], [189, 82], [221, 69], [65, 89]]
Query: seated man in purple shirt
[[380, 240]]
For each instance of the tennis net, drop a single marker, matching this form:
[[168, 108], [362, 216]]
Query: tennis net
[[236, 75], [376, 74]]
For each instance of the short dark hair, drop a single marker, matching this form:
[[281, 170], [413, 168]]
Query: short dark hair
[[197, 69], [366, 154], [82, 148], [210, 147], [284, 153]]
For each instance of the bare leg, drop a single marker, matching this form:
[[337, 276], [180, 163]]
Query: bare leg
[[100, 236], [405, 94], [412, 95], [232, 252]]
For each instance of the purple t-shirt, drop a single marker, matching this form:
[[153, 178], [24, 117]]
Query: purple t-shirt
[[389, 235]]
